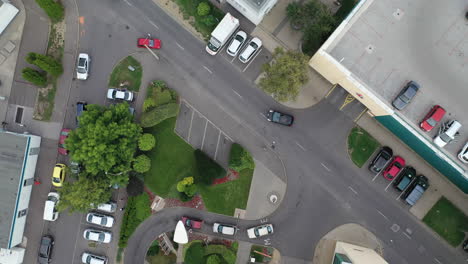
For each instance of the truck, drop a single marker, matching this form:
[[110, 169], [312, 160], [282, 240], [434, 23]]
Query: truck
[[222, 33], [416, 190]]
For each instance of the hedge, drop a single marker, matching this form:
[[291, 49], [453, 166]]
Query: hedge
[[226, 253], [194, 254], [159, 114], [35, 77], [53, 9], [207, 169], [240, 158], [136, 211], [46, 63]]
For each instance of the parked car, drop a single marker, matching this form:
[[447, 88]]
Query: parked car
[[82, 68], [119, 94], [463, 155], [448, 132], [97, 236], [252, 48], [100, 219], [432, 118], [279, 118], [381, 159], [152, 43], [89, 258], [58, 175], [407, 175], [192, 222], [394, 168], [236, 43], [63, 136], [108, 207], [406, 95], [75, 167], [416, 190], [45, 249], [50, 207], [224, 229], [259, 231], [465, 244], [80, 108]]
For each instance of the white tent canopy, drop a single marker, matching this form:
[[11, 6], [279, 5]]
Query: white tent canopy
[[7, 14], [180, 234]]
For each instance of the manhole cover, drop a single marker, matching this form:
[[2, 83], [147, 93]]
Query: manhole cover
[[395, 228], [273, 198]]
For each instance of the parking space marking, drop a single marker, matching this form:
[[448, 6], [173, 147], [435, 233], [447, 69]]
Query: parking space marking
[[206, 68], [217, 144], [77, 236], [190, 127], [384, 216], [438, 261], [252, 60], [323, 165], [299, 145], [233, 59], [238, 94], [154, 54], [408, 236], [128, 3], [204, 134], [354, 191], [386, 188], [399, 196], [154, 25], [377, 175], [180, 46]]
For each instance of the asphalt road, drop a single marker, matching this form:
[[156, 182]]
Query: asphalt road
[[318, 196]]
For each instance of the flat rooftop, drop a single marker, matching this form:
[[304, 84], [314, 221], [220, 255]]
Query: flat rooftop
[[12, 150], [393, 42]]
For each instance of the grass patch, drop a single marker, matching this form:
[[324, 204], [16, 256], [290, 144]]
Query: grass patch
[[226, 197], [121, 76], [119, 254], [447, 221], [361, 145], [160, 258], [45, 102], [189, 9]]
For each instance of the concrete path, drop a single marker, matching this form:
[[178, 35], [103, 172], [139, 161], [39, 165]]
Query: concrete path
[[243, 253]]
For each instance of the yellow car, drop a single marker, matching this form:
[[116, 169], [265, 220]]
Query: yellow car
[[58, 176]]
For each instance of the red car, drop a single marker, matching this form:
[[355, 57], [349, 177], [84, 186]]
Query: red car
[[395, 166], [432, 118], [192, 223], [61, 146], [151, 43]]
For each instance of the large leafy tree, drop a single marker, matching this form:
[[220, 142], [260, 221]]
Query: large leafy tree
[[285, 75], [81, 194], [105, 142]]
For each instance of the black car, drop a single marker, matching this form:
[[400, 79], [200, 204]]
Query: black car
[[405, 178], [45, 249], [465, 244], [381, 159], [280, 118], [406, 95], [80, 108]]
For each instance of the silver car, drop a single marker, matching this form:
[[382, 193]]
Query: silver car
[[89, 258], [97, 236], [236, 43], [252, 48], [119, 94], [100, 219], [82, 68]]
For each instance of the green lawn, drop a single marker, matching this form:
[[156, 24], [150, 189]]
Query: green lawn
[[121, 74], [361, 145], [162, 259], [448, 221]]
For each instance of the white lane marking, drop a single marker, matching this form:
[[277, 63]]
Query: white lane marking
[[438, 261], [323, 165], [383, 215], [406, 235], [154, 54], [263, 114], [354, 191], [299, 145], [180, 46], [399, 196], [233, 59], [217, 144], [76, 238], [190, 127], [154, 25], [251, 60], [389, 184], [128, 3], [204, 134], [208, 69], [377, 175], [238, 94]]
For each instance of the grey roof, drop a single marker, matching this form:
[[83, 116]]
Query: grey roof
[[12, 151]]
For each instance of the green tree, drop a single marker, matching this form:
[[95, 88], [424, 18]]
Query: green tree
[[142, 163], [285, 75], [35, 77], [187, 187], [203, 9], [146, 142], [105, 142], [53, 9], [46, 63], [135, 186], [79, 195], [207, 169], [209, 20], [240, 158], [213, 259]]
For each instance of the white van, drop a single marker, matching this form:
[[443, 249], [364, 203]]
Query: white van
[[50, 210], [224, 229], [448, 133], [108, 207]]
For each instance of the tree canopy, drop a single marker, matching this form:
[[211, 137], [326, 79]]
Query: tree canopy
[[105, 142], [79, 195], [285, 75]]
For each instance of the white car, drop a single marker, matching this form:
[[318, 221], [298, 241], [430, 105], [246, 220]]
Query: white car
[[449, 131], [50, 207], [224, 229], [100, 219], [463, 155], [89, 258], [108, 207], [119, 94], [97, 236], [252, 48], [82, 68], [236, 43], [260, 231]]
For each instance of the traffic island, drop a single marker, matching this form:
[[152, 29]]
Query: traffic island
[[361, 145], [127, 74]]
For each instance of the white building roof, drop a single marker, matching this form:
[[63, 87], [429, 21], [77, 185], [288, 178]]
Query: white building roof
[[7, 14]]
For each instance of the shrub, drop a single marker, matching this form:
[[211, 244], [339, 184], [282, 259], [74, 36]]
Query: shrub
[[194, 254], [187, 188], [209, 20], [137, 210], [213, 259], [157, 115], [203, 9], [228, 255], [53, 9], [146, 142], [135, 186], [207, 169], [46, 63], [141, 163], [148, 104], [240, 158], [154, 249], [35, 77]]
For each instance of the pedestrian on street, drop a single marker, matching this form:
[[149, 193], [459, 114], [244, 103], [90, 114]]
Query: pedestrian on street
[[121, 209]]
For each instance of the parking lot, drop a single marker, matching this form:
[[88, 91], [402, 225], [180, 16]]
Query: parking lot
[[203, 134], [345, 102]]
